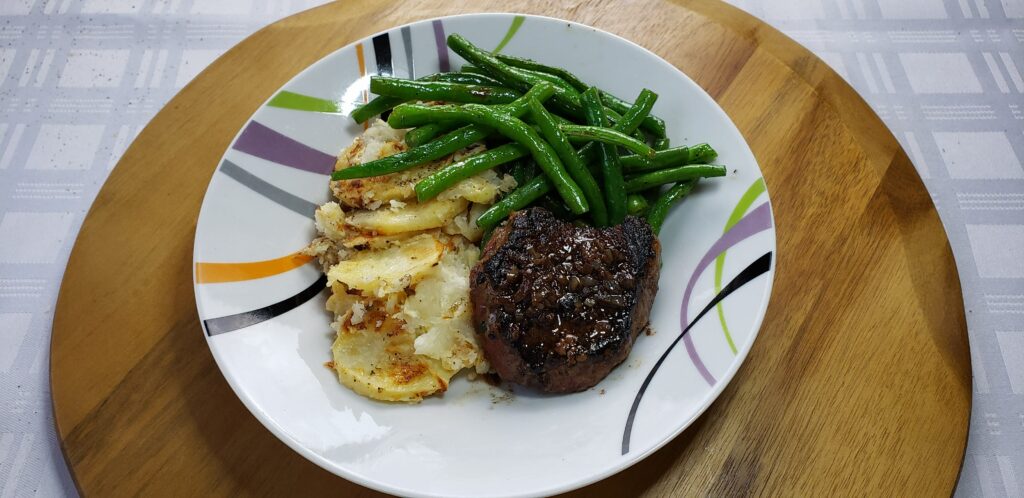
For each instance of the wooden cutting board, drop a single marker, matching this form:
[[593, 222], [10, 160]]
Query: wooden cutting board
[[859, 383]]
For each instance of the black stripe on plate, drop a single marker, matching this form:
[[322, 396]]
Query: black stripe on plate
[[382, 52], [231, 323], [754, 270]]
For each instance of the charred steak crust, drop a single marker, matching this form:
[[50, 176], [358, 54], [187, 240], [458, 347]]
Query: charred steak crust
[[558, 306]]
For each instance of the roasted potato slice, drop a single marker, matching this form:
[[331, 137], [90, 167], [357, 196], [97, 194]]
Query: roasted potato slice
[[375, 358], [380, 272], [413, 217]]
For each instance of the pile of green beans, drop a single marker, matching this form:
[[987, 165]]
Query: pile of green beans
[[571, 147]]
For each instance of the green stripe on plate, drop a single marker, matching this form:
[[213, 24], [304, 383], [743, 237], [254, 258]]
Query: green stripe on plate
[[517, 21], [755, 190], [299, 102]]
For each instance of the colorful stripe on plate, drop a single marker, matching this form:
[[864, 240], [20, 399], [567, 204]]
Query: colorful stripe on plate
[[756, 189], [213, 273], [407, 43], [517, 21], [759, 220], [299, 102], [759, 267], [220, 325], [261, 141], [382, 54], [441, 40], [266, 189]]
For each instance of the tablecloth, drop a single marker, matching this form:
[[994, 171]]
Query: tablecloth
[[80, 78]]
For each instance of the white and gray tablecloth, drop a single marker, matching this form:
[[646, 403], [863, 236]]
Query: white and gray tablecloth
[[80, 78]]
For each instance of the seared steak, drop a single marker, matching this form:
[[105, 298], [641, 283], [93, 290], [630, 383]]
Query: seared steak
[[558, 306]]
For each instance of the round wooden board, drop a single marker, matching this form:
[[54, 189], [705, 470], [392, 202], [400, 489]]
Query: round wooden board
[[859, 384]]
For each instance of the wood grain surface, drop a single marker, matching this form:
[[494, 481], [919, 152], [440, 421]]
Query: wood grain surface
[[859, 383]]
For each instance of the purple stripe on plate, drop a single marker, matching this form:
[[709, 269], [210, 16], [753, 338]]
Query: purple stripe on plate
[[758, 220], [442, 46], [259, 140]]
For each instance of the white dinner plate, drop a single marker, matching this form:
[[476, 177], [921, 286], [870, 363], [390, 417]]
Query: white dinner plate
[[262, 305]]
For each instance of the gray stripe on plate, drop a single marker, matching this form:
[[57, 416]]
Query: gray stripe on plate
[[407, 41], [262, 187]]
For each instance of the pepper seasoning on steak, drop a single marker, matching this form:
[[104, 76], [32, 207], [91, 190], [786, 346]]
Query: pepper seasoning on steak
[[557, 305]]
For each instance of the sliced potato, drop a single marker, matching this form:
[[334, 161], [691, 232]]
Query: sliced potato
[[481, 189], [379, 140], [330, 221], [380, 362], [340, 302], [411, 218], [439, 313], [367, 240], [381, 272], [465, 223]]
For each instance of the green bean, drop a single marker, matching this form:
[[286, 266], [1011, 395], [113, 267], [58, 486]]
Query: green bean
[[676, 156], [574, 164], [656, 216], [509, 126], [517, 80], [613, 118], [423, 134], [640, 109], [653, 124], [661, 144], [670, 175], [524, 170], [374, 107], [471, 69], [558, 119], [442, 180], [636, 205], [440, 90], [449, 143], [579, 133], [533, 65], [468, 78], [518, 199], [703, 153], [611, 171]]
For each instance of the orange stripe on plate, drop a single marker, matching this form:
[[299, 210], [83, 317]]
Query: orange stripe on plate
[[361, 59], [212, 273], [362, 73]]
